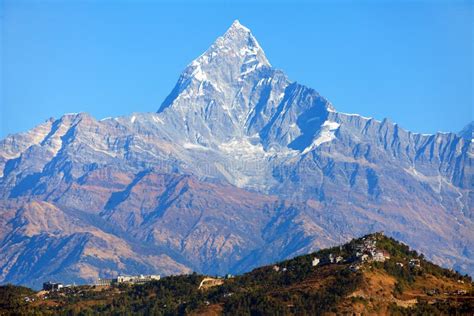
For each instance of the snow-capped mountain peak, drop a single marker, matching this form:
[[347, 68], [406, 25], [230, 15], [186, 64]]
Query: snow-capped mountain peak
[[236, 53], [238, 41], [232, 92], [245, 44], [222, 67], [237, 26]]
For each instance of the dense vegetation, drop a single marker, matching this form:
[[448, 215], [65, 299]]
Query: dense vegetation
[[12, 299], [294, 286]]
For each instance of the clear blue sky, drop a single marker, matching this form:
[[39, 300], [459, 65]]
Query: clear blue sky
[[410, 61]]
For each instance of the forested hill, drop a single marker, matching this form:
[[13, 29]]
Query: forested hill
[[372, 274]]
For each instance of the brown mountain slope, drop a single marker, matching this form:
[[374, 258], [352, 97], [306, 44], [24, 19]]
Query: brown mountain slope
[[150, 223]]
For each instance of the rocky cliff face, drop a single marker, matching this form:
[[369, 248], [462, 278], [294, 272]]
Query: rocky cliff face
[[239, 167]]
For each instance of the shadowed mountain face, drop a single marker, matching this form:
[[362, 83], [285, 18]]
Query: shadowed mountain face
[[239, 167]]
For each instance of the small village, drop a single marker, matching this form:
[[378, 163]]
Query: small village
[[120, 279], [136, 279], [50, 287], [366, 251]]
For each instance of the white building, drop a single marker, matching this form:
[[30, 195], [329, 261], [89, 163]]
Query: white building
[[315, 262], [134, 279]]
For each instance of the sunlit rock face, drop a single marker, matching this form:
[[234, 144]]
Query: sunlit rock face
[[239, 167]]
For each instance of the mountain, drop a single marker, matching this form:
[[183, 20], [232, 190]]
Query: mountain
[[467, 131], [342, 280], [239, 167]]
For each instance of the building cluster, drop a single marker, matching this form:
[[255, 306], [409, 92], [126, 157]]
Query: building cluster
[[52, 286], [134, 279], [364, 251], [414, 263], [335, 259], [367, 250], [277, 269]]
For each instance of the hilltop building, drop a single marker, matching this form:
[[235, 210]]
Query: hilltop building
[[134, 279], [315, 262], [52, 286], [381, 256]]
